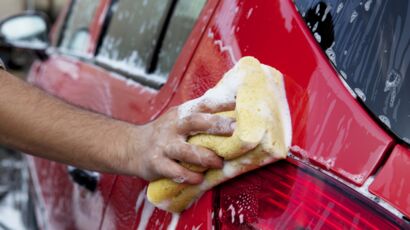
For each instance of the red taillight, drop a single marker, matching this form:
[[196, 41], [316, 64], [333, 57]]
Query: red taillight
[[284, 196]]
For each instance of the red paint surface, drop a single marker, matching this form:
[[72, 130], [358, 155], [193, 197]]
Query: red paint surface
[[331, 128], [392, 182]]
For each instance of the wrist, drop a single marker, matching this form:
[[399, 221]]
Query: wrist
[[134, 140]]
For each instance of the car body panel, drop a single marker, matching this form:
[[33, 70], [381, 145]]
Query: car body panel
[[330, 127], [392, 182]]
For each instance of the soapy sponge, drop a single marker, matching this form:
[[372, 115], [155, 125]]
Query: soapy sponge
[[262, 134]]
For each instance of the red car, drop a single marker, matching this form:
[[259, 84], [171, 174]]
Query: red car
[[346, 68]]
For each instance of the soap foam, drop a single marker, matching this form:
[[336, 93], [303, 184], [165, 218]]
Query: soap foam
[[223, 93], [146, 215], [174, 222]]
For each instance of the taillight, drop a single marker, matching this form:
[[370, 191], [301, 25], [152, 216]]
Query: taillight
[[285, 196]]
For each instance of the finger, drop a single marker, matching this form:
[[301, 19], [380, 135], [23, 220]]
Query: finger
[[207, 107], [206, 123], [170, 169], [195, 155]]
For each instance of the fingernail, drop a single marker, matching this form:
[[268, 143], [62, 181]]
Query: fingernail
[[179, 180]]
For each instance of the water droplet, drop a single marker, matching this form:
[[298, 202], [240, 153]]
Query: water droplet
[[249, 13], [392, 83], [327, 10], [339, 7], [385, 120], [354, 16], [367, 5], [331, 54], [344, 75], [315, 27], [360, 94], [318, 37]]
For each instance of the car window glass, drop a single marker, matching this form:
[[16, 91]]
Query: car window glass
[[144, 38], [182, 21], [368, 42], [132, 35], [76, 35]]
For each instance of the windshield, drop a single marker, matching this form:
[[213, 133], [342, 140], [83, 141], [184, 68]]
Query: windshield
[[368, 42]]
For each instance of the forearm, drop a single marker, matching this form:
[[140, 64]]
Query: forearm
[[36, 123]]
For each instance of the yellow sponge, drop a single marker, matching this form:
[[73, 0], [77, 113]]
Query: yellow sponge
[[262, 134]]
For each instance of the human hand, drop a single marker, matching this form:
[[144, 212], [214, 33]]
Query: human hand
[[165, 144]]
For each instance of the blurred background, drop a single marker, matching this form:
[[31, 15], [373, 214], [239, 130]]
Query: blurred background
[[11, 7], [18, 61], [15, 208]]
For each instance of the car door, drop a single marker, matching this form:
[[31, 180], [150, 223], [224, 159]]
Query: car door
[[70, 198], [180, 33]]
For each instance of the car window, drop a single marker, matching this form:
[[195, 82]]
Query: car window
[[368, 42], [183, 19], [144, 38], [76, 36]]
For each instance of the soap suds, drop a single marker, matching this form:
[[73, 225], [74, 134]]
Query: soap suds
[[146, 215], [221, 126], [385, 120], [367, 5], [317, 37], [174, 222], [164, 204], [360, 94], [197, 227], [282, 102], [233, 213], [303, 153], [339, 7], [179, 180], [140, 199], [354, 16], [223, 93], [222, 47], [355, 177], [229, 170]]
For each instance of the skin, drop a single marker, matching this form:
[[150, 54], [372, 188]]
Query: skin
[[39, 124]]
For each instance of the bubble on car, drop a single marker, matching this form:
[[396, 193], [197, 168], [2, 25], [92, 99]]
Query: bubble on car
[[353, 16], [360, 94], [339, 7], [317, 37], [385, 120], [367, 5], [331, 54]]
